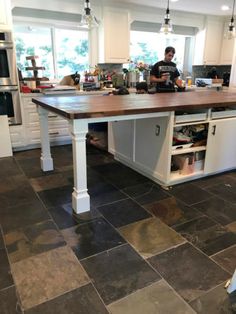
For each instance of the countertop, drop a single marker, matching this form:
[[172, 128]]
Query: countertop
[[81, 107]]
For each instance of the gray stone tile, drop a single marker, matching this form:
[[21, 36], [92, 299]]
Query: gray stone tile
[[49, 182], [22, 194], [5, 271], [172, 211], [218, 209], [47, 275], [227, 259], [146, 193], [83, 300], [189, 193], [123, 212], [65, 217], [157, 298], [188, 271], [216, 301], [207, 235], [118, 272], [22, 215], [227, 191], [150, 236], [9, 167], [32, 240], [91, 238], [8, 301]]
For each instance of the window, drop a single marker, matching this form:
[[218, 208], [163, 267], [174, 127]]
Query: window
[[149, 47], [60, 51]]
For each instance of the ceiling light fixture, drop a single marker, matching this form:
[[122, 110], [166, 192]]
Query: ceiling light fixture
[[224, 7], [166, 26], [231, 28], [88, 20]]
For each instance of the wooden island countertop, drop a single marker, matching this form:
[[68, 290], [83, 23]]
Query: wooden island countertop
[[84, 107]]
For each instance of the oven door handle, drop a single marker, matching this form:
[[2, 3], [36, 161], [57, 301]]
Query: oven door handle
[[8, 89], [6, 45]]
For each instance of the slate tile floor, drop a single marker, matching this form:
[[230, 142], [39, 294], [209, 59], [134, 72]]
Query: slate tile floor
[[139, 250]]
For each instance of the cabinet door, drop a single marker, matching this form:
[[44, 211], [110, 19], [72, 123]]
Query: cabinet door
[[116, 36], [221, 146], [227, 49], [153, 141], [5, 14], [213, 42], [121, 139]]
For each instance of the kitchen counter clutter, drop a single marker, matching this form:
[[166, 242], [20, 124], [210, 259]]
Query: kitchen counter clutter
[[141, 132]]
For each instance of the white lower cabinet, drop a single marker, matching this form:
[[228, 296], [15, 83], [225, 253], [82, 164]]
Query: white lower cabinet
[[120, 139], [132, 141], [27, 135], [146, 146], [221, 146], [17, 134]]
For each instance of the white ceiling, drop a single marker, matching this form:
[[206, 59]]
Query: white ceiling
[[212, 7]]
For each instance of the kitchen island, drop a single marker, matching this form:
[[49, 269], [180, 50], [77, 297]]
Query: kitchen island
[[82, 110]]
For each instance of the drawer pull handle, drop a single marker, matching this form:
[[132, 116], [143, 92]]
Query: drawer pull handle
[[213, 130], [54, 133], [53, 116]]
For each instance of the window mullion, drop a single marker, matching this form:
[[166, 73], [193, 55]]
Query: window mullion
[[54, 51]]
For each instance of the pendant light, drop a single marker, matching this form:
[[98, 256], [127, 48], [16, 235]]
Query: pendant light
[[231, 28], [166, 26], [88, 20]]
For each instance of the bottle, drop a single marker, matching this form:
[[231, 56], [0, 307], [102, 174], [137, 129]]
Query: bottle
[[189, 80]]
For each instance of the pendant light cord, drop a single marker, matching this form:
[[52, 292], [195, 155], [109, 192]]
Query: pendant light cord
[[232, 18], [168, 10]]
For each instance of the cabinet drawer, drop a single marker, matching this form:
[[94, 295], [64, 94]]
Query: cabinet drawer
[[34, 133], [32, 119], [190, 117], [228, 113]]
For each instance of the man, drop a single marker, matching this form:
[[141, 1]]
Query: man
[[164, 73]]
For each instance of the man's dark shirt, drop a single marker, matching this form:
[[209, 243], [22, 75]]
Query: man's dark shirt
[[165, 67]]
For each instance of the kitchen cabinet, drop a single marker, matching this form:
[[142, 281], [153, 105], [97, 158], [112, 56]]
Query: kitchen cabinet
[[120, 138], [58, 127], [221, 146], [227, 49], [208, 45], [153, 154], [17, 134], [5, 15], [213, 40], [114, 36]]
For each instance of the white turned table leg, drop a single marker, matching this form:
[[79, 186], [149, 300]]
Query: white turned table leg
[[80, 196], [46, 158]]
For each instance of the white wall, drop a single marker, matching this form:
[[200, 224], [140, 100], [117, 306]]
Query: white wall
[[138, 13]]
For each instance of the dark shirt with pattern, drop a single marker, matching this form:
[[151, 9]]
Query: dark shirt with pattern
[[165, 67]]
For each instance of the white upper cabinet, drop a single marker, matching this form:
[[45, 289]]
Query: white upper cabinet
[[213, 42], [210, 45], [5, 15], [114, 37], [227, 48]]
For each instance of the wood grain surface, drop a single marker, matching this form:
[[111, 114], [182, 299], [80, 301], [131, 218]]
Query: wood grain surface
[[82, 107]]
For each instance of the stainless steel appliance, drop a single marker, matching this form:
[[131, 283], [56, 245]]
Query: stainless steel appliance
[[9, 91], [8, 74], [10, 103]]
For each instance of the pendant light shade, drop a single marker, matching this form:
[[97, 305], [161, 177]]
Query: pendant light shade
[[166, 26], [88, 20], [231, 28]]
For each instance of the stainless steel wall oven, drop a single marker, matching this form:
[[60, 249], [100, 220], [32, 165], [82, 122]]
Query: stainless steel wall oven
[[7, 60], [9, 92], [10, 103]]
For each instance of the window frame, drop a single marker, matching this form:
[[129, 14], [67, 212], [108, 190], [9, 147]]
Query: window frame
[[33, 22]]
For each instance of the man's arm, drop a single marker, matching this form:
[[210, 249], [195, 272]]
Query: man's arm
[[163, 78]]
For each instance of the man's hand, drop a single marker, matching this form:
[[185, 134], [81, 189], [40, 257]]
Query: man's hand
[[165, 77]]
